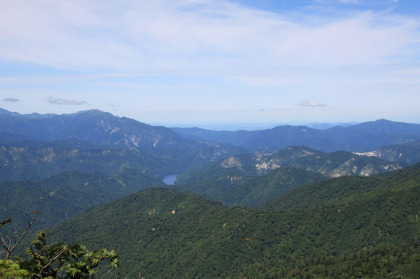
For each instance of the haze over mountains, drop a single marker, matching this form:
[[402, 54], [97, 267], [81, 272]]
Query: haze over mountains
[[59, 140], [356, 138], [305, 195]]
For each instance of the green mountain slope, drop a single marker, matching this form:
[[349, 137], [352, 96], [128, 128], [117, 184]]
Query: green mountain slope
[[233, 187], [260, 190], [239, 179], [59, 197], [407, 153], [343, 190], [35, 163], [334, 164], [162, 233]]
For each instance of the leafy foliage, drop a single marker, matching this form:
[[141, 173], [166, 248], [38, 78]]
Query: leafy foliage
[[11, 269], [63, 260], [56, 260]]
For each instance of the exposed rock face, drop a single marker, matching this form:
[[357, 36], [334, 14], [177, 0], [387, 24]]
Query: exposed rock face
[[231, 162], [335, 164]]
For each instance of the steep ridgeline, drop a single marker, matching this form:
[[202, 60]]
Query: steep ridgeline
[[99, 130], [161, 233], [407, 153], [356, 138], [66, 194], [93, 126], [234, 180]]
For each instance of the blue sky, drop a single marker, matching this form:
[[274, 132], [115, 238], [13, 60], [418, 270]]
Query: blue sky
[[199, 62]]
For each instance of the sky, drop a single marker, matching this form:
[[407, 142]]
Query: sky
[[213, 63]]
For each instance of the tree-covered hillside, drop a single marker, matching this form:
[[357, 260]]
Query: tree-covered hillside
[[262, 189], [343, 190], [163, 233], [60, 197], [407, 153], [35, 163], [251, 180], [233, 187], [334, 164]]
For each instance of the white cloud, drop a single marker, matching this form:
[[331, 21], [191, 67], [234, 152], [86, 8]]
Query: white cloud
[[306, 103], [196, 37], [11, 100], [61, 101]]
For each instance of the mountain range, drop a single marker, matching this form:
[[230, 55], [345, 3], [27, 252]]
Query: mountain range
[[291, 201], [35, 146], [356, 138]]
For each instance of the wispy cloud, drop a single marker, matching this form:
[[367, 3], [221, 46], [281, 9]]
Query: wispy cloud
[[200, 37], [306, 103], [11, 100], [60, 101]]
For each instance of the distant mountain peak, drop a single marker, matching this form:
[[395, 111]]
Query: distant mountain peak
[[6, 112], [3, 111], [93, 112]]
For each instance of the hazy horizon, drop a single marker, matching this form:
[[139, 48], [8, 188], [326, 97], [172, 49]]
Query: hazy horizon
[[250, 126]]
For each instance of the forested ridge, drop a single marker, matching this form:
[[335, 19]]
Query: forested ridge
[[253, 179], [162, 233]]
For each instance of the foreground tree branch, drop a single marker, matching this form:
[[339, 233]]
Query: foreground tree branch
[[8, 244], [57, 260]]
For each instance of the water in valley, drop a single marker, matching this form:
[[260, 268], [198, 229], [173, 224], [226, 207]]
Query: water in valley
[[170, 179]]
